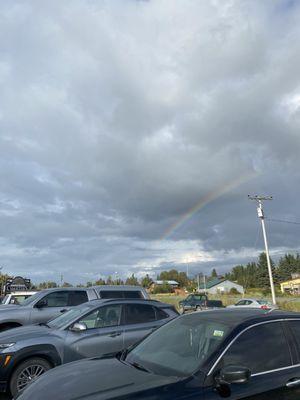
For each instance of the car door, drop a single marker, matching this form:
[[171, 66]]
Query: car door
[[103, 334], [53, 304], [263, 349], [139, 321], [293, 384]]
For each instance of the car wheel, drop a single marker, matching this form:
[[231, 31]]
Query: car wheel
[[27, 372], [181, 310], [198, 308]]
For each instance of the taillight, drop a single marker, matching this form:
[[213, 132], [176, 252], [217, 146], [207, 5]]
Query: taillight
[[264, 307]]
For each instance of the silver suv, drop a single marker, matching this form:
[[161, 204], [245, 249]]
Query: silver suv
[[47, 304]]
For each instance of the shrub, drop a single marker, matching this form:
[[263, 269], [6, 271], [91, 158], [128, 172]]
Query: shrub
[[234, 291]]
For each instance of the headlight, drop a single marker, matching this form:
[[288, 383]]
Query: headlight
[[6, 345]]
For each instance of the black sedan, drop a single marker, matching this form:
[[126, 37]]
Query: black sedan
[[249, 354]]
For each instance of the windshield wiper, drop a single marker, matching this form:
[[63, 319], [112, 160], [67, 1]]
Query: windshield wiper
[[139, 366]]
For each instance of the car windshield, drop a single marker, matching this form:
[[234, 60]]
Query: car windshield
[[5, 299], [31, 299], [180, 347], [68, 317], [263, 302]]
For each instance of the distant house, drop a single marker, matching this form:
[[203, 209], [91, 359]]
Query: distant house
[[220, 286], [174, 284], [291, 286]]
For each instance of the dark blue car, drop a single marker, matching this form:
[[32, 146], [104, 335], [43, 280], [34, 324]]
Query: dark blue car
[[248, 354]]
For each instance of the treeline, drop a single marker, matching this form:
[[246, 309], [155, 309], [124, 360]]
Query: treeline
[[255, 274], [251, 275]]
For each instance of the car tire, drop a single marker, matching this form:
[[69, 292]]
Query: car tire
[[30, 370], [198, 308]]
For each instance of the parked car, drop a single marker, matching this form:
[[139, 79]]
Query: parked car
[[17, 297], [96, 328], [48, 303], [254, 303], [238, 354], [198, 302]]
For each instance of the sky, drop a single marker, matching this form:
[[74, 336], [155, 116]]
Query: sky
[[131, 133]]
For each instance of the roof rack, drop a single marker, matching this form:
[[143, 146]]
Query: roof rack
[[132, 299]]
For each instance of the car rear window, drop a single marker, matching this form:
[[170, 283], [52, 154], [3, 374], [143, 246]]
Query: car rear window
[[139, 313], [120, 294]]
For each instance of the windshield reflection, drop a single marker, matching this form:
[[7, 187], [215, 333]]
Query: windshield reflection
[[180, 347]]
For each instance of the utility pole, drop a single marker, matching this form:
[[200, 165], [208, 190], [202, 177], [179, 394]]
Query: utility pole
[[198, 283], [260, 213]]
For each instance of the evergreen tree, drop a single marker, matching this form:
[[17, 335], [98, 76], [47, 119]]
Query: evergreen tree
[[288, 265], [213, 274], [146, 281], [132, 280], [263, 280]]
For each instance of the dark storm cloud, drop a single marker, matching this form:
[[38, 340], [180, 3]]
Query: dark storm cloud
[[118, 117]]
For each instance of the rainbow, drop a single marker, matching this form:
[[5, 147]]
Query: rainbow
[[211, 196]]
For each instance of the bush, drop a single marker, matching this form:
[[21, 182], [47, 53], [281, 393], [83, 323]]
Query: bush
[[234, 291]]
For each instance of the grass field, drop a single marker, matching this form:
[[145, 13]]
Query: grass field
[[289, 303]]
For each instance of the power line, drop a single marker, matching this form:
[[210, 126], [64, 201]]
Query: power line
[[283, 221]]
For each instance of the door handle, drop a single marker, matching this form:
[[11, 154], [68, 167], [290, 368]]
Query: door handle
[[115, 334], [293, 383]]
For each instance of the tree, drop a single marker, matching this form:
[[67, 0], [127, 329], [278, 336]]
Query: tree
[[213, 274], [146, 281], [100, 281], [288, 265], [263, 280], [67, 284], [132, 280], [174, 275]]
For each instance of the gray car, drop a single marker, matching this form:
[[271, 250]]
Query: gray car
[[96, 328], [46, 304]]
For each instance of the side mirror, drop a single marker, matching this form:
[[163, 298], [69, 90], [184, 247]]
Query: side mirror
[[41, 304], [234, 374], [78, 327]]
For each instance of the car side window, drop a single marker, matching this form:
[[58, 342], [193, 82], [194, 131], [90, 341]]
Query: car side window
[[295, 327], [77, 297], [56, 299], [160, 314], [139, 313], [103, 317], [240, 303], [261, 348]]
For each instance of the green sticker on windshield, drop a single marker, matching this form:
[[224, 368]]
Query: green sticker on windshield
[[218, 333]]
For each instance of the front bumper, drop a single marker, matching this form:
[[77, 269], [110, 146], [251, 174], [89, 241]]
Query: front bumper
[[7, 362]]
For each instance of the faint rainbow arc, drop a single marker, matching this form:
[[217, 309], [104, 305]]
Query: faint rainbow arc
[[211, 196]]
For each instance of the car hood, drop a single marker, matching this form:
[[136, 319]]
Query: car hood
[[92, 379], [23, 333]]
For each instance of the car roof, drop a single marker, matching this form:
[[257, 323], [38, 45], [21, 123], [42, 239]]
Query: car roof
[[99, 302], [118, 287], [234, 317]]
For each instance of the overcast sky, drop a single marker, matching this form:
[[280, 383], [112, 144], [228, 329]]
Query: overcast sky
[[131, 133]]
